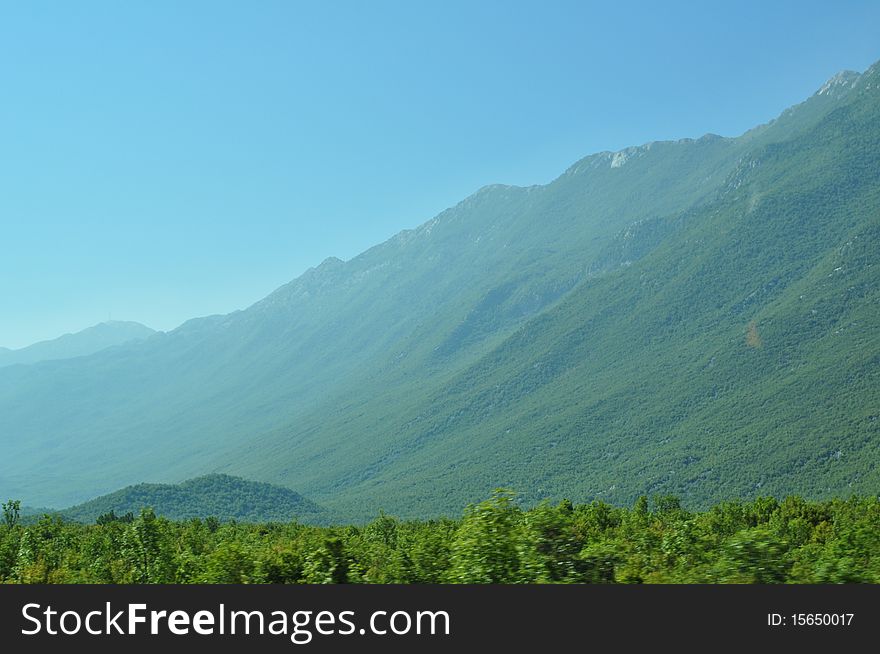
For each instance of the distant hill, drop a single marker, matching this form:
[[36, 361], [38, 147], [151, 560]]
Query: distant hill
[[82, 343], [221, 496]]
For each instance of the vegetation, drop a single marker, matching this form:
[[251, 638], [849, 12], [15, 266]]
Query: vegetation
[[761, 541], [221, 496]]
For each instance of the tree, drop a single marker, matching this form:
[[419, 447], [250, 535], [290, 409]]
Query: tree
[[486, 547], [11, 513], [753, 556], [146, 551], [554, 547], [328, 564]]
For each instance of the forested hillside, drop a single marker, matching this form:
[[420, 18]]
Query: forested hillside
[[219, 496], [732, 351]]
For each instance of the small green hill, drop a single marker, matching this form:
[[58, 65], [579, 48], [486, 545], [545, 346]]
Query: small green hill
[[221, 496]]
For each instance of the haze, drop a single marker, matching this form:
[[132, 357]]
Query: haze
[[165, 161]]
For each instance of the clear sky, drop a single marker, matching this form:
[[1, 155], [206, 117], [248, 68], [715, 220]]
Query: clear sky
[[164, 160]]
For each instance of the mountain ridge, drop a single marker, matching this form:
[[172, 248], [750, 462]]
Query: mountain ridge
[[365, 380], [82, 343]]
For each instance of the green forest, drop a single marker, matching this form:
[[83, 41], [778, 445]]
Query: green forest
[[763, 541], [222, 496]]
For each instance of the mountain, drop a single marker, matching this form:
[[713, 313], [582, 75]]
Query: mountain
[[82, 343], [220, 496], [697, 317]]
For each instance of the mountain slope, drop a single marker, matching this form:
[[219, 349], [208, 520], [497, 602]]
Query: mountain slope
[[738, 357], [220, 496], [440, 296], [550, 338], [82, 343]]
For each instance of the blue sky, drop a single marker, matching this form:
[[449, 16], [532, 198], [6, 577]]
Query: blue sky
[[165, 160]]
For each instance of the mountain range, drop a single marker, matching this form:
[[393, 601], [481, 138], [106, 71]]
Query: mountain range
[[83, 343], [698, 317]]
